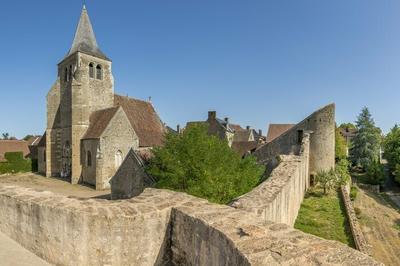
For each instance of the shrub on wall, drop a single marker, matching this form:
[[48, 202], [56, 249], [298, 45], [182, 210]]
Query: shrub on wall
[[15, 163], [204, 166]]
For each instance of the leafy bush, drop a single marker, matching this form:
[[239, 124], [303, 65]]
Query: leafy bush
[[342, 172], [353, 193], [340, 146], [15, 163], [391, 147], [358, 212], [375, 174], [204, 166], [326, 180]]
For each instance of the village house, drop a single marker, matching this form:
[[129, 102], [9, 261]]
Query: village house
[[90, 129]]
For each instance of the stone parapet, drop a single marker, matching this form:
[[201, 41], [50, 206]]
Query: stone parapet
[[358, 236], [279, 198], [159, 227]]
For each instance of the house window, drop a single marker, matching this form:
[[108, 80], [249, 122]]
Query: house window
[[70, 72], [44, 155], [89, 158], [99, 73], [118, 159], [91, 70]]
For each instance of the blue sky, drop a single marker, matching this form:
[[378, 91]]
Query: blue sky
[[257, 62]]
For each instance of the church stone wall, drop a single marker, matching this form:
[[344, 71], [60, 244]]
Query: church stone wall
[[159, 227], [279, 198], [41, 160], [118, 136], [89, 172]]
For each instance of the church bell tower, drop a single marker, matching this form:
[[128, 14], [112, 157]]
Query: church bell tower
[[86, 85]]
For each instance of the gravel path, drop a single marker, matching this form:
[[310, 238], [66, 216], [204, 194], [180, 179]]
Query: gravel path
[[380, 224]]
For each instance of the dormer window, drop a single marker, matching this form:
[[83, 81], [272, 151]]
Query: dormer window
[[99, 72], [91, 70]]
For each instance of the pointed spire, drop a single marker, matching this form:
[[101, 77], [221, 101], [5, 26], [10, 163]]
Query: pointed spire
[[85, 40]]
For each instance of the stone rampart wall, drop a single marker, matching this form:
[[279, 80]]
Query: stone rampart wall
[[358, 236], [278, 199], [321, 125], [159, 227]]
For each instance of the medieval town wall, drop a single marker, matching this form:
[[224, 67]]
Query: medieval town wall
[[279, 198], [159, 227], [321, 125]]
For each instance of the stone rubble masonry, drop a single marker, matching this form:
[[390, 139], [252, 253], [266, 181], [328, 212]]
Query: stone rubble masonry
[[279, 198], [321, 124], [358, 236], [159, 227]]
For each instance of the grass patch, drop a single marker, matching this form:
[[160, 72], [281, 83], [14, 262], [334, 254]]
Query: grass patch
[[324, 216]]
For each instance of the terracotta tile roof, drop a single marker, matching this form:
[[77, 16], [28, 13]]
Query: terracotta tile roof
[[13, 146], [144, 120], [99, 121], [243, 147], [275, 130]]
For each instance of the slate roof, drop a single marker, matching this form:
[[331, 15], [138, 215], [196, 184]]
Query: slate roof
[[99, 121], [242, 135], [85, 40], [144, 120], [275, 130], [13, 146], [236, 127], [243, 147]]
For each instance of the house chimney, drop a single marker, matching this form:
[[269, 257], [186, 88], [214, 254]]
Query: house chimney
[[227, 120], [260, 132], [178, 128], [247, 127], [212, 115]]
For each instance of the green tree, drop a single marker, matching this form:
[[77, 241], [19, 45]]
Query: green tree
[[342, 172], [204, 166], [340, 146], [366, 144], [391, 147], [326, 180], [27, 137], [347, 126], [6, 135], [375, 174]]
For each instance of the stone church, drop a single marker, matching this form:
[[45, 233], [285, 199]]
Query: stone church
[[90, 130]]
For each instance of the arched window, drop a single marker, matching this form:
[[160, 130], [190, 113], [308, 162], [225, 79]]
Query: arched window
[[66, 74], [99, 72], [70, 72], [89, 158], [91, 70], [118, 159]]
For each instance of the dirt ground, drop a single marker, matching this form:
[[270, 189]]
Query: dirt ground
[[380, 223], [55, 185]]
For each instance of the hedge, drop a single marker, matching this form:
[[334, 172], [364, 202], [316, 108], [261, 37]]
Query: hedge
[[15, 163]]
